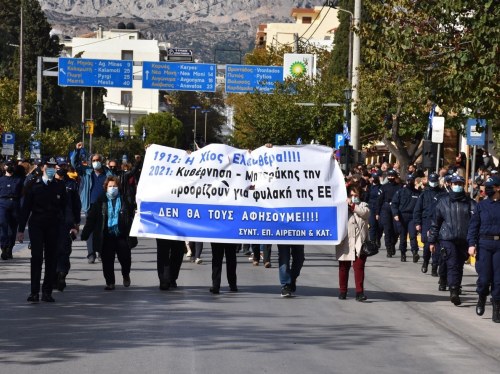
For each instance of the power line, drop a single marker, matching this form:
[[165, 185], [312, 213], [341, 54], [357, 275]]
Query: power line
[[307, 41]]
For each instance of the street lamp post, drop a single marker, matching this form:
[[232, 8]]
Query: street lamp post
[[195, 107], [205, 111]]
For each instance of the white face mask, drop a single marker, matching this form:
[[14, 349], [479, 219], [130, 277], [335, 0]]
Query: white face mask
[[96, 165], [457, 188], [112, 192], [355, 200], [433, 184]]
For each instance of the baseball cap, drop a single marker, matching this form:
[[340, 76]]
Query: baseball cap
[[410, 177], [392, 173], [433, 177], [457, 179], [494, 180], [61, 160]]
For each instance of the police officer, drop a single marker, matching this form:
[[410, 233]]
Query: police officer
[[373, 195], [388, 191], [484, 241], [10, 194], [422, 217], [403, 204], [449, 225], [43, 205], [70, 226]]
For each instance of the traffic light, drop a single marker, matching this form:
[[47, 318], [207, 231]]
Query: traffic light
[[429, 154], [346, 154]]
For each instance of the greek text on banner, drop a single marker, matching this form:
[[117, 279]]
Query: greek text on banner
[[273, 195]]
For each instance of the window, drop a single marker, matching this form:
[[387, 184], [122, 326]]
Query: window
[[126, 98], [128, 55], [306, 19]]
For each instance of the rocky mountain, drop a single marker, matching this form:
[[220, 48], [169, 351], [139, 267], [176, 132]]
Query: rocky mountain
[[216, 30]]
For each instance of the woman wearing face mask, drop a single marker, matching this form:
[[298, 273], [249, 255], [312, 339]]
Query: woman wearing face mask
[[109, 220], [349, 250], [449, 226], [484, 242]]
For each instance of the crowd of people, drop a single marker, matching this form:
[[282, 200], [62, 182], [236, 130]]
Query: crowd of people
[[49, 197]]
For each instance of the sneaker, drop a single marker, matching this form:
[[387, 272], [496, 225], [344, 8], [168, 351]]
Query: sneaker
[[285, 291], [198, 261], [247, 253], [255, 263], [109, 287], [189, 254], [33, 298], [342, 295], [267, 265], [47, 298], [126, 281], [91, 258], [360, 296]]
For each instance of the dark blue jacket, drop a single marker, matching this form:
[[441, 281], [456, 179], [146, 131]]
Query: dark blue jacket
[[73, 203], [374, 192], [451, 218], [426, 204], [485, 221], [404, 201], [388, 191]]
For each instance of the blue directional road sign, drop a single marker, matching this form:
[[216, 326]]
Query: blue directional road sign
[[339, 140], [475, 137], [179, 76], [95, 73], [247, 78]]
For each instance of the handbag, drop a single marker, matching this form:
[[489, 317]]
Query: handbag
[[369, 248]]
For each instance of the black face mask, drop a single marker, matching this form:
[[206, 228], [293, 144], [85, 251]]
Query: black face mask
[[10, 169], [113, 169], [391, 180], [61, 172]]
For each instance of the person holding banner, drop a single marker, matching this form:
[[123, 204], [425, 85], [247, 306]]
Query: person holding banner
[[109, 221], [289, 274], [349, 250], [169, 254], [218, 251]]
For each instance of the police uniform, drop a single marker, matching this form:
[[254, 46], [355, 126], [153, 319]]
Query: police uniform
[[386, 219], [484, 235], [374, 192], [422, 216], [449, 225], [43, 206], [10, 195], [403, 204]]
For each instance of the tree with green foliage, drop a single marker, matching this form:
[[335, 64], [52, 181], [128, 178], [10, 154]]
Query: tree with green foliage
[[340, 53], [417, 54], [161, 128]]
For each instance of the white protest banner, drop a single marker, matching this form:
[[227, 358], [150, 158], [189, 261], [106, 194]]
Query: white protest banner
[[279, 194]]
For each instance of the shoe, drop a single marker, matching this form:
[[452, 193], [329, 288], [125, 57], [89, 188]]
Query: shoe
[[109, 287], [360, 296], [198, 261], [342, 295], [267, 265], [377, 243], [255, 263], [9, 253], [481, 301], [4, 255], [425, 266], [173, 284], [91, 258], [293, 285], [233, 288], [416, 257], [164, 286], [434, 271], [496, 311], [389, 253], [247, 253], [192, 259], [61, 281], [454, 295], [47, 298], [126, 281], [285, 291], [33, 298], [403, 257], [215, 290], [189, 254]]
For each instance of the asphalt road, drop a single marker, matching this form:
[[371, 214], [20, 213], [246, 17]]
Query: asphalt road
[[405, 326]]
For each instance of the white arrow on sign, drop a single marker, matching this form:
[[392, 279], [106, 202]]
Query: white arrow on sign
[[62, 71], [147, 74]]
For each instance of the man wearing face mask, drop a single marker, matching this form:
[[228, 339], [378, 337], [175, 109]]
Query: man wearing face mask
[[402, 206], [422, 217], [386, 219], [484, 242], [449, 226], [70, 226], [91, 186], [10, 195], [43, 205]]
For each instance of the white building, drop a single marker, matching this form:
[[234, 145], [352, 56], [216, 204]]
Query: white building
[[123, 106]]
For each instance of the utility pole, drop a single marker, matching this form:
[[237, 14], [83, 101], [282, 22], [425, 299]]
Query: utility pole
[[205, 111], [83, 117], [21, 65], [356, 56], [195, 107]]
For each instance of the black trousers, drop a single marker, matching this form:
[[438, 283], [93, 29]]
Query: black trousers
[[218, 251], [64, 249], [115, 246], [169, 254], [43, 240]]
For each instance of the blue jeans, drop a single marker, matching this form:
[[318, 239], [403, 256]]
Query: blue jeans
[[290, 273]]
